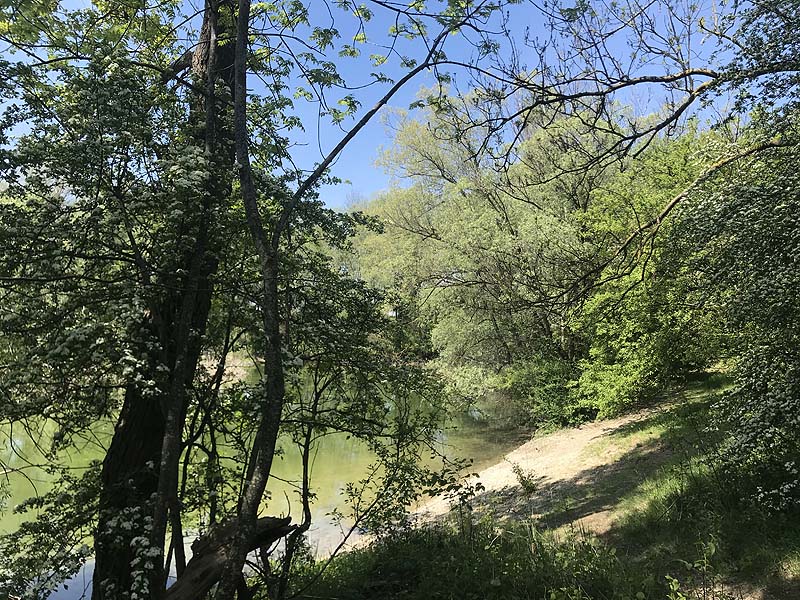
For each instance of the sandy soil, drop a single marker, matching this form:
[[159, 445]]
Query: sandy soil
[[567, 455], [575, 478]]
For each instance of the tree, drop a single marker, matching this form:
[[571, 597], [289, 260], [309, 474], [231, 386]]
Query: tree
[[119, 215], [753, 58], [596, 59], [741, 234], [505, 270], [490, 259], [115, 193], [684, 59]]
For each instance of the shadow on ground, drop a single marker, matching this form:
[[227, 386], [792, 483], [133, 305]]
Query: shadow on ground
[[642, 447], [658, 503]]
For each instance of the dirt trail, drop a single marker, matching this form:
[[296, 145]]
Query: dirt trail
[[566, 460], [588, 478]]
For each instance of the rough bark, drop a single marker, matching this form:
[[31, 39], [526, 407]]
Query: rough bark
[[129, 478], [184, 344], [140, 473], [265, 443], [210, 553]]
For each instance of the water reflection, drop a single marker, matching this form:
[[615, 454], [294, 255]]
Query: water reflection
[[338, 460]]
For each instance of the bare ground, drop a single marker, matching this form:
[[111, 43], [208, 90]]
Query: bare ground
[[574, 479], [559, 472]]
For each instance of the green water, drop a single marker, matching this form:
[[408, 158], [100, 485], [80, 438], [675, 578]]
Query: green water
[[23, 464], [338, 460]]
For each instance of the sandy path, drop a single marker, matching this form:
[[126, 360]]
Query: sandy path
[[559, 457], [588, 464]]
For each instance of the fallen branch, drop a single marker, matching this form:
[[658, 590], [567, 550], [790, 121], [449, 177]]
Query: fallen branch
[[209, 554]]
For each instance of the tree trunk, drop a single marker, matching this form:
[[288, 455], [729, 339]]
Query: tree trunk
[[140, 473], [129, 480], [140, 470], [265, 443], [210, 553], [266, 440]]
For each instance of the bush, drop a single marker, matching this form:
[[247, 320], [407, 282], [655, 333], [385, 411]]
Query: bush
[[642, 339], [743, 236], [539, 390], [762, 418], [486, 561]]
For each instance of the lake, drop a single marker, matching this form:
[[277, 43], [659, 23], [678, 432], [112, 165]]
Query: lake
[[337, 461]]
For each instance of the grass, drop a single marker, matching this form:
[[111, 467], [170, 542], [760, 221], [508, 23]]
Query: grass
[[678, 529], [678, 512], [480, 561], [687, 506]]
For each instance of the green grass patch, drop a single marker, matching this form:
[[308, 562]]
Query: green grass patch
[[482, 561], [688, 511], [674, 515]]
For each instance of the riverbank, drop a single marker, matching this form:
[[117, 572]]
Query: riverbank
[[635, 498], [642, 485], [529, 481]]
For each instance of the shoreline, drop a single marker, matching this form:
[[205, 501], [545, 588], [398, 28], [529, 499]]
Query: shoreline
[[527, 478]]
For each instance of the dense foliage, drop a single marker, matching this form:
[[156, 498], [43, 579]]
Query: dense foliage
[[154, 221], [513, 278], [743, 236], [548, 254], [485, 560]]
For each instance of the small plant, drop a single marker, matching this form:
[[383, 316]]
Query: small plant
[[496, 562], [525, 478], [702, 582]]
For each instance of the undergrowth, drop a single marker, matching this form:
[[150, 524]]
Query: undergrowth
[[479, 561], [695, 502], [683, 529], [489, 561]]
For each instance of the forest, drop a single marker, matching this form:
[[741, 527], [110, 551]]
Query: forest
[[555, 357]]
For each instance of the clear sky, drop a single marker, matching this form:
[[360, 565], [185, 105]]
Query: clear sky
[[357, 162], [356, 165]]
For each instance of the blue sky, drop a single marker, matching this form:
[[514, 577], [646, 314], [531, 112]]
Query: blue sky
[[356, 164]]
